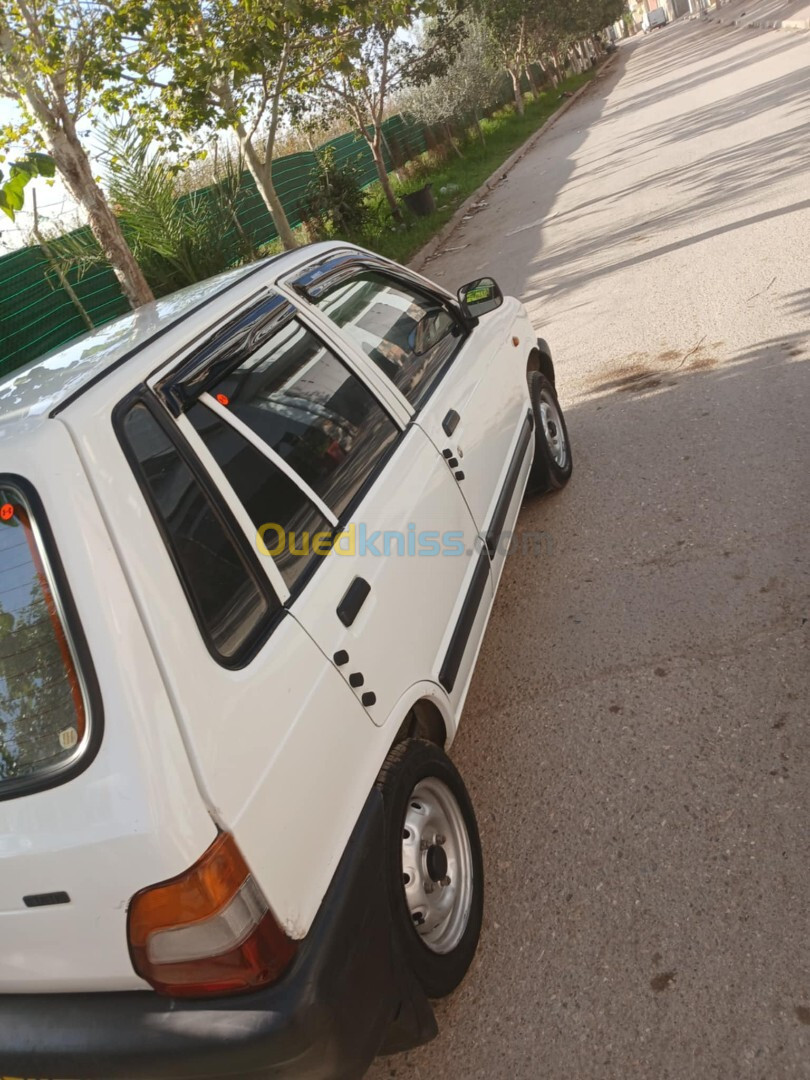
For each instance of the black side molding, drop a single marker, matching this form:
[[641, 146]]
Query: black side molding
[[496, 525], [461, 634], [353, 600], [45, 899]]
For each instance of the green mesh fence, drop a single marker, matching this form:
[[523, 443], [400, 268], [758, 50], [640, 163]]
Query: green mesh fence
[[37, 314]]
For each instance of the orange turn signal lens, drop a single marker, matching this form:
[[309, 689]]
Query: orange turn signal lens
[[208, 931]]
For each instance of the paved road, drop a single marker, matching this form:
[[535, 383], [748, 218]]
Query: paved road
[[636, 737]]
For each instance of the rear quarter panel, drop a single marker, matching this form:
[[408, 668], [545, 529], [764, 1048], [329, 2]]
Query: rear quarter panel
[[134, 815]]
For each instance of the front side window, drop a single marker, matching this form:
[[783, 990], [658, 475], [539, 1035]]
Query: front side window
[[43, 711], [308, 407], [409, 335], [222, 588]]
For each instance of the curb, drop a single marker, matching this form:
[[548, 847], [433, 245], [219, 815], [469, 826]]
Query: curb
[[433, 247]]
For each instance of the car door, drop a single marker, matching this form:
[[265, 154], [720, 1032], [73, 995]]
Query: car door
[[368, 539], [465, 386]]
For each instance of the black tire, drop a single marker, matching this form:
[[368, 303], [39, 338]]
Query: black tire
[[549, 472], [408, 764]]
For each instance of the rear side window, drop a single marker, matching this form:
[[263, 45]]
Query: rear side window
[[276, 505], [222, 588], [43, 705], [410, 336], [301, 400]]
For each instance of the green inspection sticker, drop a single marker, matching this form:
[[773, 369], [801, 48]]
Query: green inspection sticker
[[474, 295]]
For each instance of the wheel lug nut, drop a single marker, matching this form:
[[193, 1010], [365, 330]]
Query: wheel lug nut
[[444, 882], [423, 845], [439, 839]]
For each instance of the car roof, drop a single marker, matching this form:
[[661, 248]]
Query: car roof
[[47, 383]]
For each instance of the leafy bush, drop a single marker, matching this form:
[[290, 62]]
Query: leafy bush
[[335, 195]]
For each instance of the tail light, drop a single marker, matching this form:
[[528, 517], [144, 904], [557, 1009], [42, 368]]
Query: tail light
[[208, 931]]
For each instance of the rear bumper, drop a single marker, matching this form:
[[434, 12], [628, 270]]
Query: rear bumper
[[346, 997]]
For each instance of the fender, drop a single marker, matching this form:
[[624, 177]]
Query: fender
[[425, 690]]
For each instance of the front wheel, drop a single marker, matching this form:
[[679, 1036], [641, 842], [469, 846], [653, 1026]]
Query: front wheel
[[553, 463], [434, 864]]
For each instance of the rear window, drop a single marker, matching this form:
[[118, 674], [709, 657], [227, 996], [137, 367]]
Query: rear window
[[43, 717]]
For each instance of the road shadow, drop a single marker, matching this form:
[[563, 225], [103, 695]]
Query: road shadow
[[711, 184], [667, 55]]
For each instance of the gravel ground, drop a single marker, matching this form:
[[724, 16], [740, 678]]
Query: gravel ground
[[636, 738]]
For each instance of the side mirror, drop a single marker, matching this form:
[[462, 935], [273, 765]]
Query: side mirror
[[479, 297]]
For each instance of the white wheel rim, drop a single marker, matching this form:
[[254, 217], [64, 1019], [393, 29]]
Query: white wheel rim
[[553, 430], [437, 868]]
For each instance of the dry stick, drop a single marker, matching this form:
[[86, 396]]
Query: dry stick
[[761, 291], [57, 269], [691, 352]]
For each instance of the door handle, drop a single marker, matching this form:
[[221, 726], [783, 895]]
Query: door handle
[[450, 422], [353, 600]]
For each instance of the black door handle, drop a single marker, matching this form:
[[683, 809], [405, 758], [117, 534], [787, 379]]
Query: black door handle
[[450, 422], [353, 600]]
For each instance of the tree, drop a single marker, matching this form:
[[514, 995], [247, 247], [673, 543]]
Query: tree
[[508, 22], [177, 240], [377, 61], [55, 56], [467, 89], [229, 65]]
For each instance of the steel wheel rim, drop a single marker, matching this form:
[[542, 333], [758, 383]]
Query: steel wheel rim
[[437, 867], [553, 430]]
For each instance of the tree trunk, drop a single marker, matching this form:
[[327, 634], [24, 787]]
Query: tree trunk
[[550, 73], [532, 82], [449, 133], [262, 173], [75, 169], [515, 74], [479, 129], [375, 144]]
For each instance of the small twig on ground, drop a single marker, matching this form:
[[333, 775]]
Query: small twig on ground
[[761, 291], [691, 352]]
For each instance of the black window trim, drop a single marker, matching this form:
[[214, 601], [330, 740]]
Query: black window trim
[[54, 775], [254, 644], [321, 275], [205, 365]]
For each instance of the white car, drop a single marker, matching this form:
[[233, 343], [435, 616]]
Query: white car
[[250, 538]]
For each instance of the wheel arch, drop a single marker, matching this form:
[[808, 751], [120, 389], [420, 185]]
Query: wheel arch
[[424, 713], [540, 360]]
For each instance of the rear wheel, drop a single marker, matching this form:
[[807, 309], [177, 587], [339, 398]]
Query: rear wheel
[[434, 864], [553, 463]]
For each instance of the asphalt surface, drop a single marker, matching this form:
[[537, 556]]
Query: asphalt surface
[[636, 736]]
